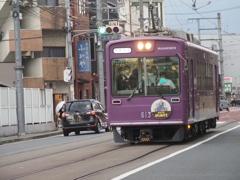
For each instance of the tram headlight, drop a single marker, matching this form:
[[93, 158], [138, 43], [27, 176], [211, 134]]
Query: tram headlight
[[140, 46], [148, 45], [143, 46]]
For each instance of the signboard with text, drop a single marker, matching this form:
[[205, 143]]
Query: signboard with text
[[227, 79], [228, 87], [83, 49], [109, 37]]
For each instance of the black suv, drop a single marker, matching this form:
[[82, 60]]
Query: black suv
[[84, 115]]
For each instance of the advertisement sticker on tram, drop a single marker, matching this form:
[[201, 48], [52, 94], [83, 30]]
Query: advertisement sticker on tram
[[161, 109]]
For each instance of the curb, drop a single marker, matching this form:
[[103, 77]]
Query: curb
[[6, 140]]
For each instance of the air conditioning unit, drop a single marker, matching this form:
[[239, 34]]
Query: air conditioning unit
[[120, 2], [182, 34]]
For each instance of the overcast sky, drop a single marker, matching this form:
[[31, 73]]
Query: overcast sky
[[177, 13]]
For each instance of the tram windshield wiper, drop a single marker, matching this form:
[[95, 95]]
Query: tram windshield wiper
[[131, 95], [160, 94]]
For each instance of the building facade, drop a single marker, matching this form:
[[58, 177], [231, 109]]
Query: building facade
[[44, 43]]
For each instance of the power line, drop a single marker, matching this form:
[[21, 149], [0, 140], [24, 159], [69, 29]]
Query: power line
[[227, 9]]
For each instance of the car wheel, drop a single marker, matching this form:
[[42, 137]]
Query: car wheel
[[65, 133], [107, 129], [77, 132], [228, 109], [98, 127]]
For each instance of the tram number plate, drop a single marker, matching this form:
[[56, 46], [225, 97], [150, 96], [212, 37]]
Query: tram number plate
[[146, 114]]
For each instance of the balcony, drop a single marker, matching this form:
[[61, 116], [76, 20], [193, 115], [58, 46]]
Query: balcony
[[41, 70], [31, 40]]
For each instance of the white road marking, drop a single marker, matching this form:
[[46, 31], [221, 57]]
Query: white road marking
[[221, 122], [225, 116], [170, 156]]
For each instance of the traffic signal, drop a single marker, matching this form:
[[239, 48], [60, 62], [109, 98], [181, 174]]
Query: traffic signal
[[110, 30], [67, 75]]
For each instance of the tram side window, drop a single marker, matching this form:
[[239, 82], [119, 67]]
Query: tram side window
[[205, 75]]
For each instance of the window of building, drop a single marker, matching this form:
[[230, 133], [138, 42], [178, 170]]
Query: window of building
[[112, 11], [93, 53], [51, 52], [82, 7], [86, 94], [42, 97], [48, 2]]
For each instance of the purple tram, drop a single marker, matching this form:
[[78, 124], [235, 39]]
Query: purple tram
[[160, 89]]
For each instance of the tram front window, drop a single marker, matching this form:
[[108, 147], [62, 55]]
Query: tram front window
[[152, 76]]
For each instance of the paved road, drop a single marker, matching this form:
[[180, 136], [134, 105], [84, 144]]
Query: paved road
[[95, 156], [215, 159]]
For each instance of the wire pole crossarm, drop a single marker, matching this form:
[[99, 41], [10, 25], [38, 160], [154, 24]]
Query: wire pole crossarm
[[201, 18]]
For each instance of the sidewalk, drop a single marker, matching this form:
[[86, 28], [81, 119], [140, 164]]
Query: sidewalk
[[11, 139]]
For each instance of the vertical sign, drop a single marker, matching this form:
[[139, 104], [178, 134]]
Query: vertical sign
[[228, 87], [83, 56]]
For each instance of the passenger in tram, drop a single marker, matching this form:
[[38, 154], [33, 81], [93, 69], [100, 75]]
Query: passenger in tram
[[133, 79], [165, 82], [121, 79]]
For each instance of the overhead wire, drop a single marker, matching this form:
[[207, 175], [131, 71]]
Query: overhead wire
[[54, 13], [200, 14]]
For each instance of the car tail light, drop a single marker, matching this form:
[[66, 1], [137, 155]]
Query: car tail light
[[91, 112], [65, 114]]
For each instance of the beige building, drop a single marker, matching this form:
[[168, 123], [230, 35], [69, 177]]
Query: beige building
[[43, 43]]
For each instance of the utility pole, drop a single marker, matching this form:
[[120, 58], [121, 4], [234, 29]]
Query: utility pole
[[69, 46], [18, 69], [141, 19], [221, 52], [100, 55], [219, 40]]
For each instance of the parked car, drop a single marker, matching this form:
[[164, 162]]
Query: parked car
[[84, 115], [224, 104], [235, 103], [238, 102]]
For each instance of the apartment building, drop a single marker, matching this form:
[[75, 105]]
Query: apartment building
[[44, 44]]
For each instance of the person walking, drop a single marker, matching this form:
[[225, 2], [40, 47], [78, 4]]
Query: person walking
[[233, 99]]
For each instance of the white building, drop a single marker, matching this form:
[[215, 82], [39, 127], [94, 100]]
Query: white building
[[231, 56], [129, 15]]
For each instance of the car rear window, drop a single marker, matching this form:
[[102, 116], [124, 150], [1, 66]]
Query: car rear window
[[79, 106]]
